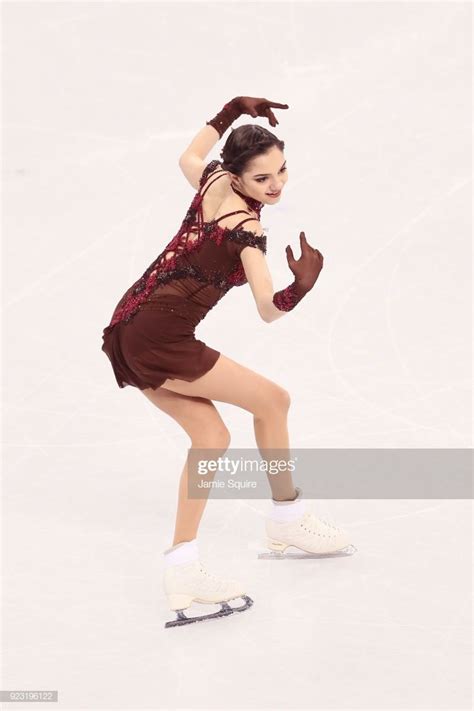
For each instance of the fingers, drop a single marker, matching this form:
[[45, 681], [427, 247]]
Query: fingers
[[305, 246], [318, 254], [271, 117], [304, 242], [269, 113]]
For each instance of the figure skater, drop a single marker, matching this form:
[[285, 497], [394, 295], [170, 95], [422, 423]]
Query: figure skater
[[151, 341]]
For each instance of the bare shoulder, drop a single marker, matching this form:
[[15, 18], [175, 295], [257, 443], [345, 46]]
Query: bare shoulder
[[199, 173], [231, 202], [216, 182]]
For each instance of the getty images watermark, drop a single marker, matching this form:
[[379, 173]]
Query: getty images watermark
[[332, 473]]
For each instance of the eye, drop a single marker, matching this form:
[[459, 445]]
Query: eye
[[260, 180]]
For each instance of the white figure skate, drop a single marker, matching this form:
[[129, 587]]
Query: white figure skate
[[314, 537], [190, 582]]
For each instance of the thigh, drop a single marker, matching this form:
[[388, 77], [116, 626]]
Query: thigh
[[196, 415], [228, 381]]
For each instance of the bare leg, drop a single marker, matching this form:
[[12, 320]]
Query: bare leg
[[271, 434], [230, 382], [205, 427], [190, 510]]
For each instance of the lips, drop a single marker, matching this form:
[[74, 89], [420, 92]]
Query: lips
[[274, 194]]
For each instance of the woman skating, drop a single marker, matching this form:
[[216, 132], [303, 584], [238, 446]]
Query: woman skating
[[151, 341]]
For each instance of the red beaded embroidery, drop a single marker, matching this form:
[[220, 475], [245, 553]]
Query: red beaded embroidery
[[163, 269], [286, 299]]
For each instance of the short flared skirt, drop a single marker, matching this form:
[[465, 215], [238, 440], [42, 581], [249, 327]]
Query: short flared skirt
[[156, 345]]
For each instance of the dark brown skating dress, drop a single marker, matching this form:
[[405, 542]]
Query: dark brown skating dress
[[151, 336]]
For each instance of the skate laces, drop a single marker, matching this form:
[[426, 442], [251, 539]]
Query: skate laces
[[315, 521], [211, 578]]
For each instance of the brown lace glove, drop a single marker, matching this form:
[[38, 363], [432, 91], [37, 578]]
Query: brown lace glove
[[306, 270], [244, 105]]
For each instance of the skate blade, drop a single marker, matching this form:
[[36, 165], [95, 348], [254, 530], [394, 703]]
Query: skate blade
[[225, 611], [278, 555]]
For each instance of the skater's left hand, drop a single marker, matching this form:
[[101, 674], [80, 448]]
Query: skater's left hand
[[259, 107], [306, 269]]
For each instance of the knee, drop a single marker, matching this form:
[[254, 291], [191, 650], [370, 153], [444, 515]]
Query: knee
[[282, 399], [216, 437], [222, 438], [278, 401]]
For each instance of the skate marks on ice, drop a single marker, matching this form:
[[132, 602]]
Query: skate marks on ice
[[294, 553], [225, 611]]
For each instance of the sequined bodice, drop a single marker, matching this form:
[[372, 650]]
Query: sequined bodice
[[198, 266]]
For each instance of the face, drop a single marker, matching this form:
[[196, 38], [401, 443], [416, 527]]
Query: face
[[267, 173]]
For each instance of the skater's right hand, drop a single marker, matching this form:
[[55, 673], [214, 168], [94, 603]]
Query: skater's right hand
[[307, 268]]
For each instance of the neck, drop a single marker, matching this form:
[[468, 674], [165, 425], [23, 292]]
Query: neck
[[251, 202]]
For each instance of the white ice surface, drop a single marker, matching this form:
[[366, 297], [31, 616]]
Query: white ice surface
[[99, 100]]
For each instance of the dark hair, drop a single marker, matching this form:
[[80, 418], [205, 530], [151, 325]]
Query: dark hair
[[244, 143]]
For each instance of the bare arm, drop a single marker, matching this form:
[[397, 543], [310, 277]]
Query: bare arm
[[260, 281], [205, 139], [305, 270], [192, 160]]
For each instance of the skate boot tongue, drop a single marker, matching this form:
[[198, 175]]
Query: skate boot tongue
[[284, 511], [181, 553]]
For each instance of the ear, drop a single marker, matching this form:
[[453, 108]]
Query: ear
[[234, 178]]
